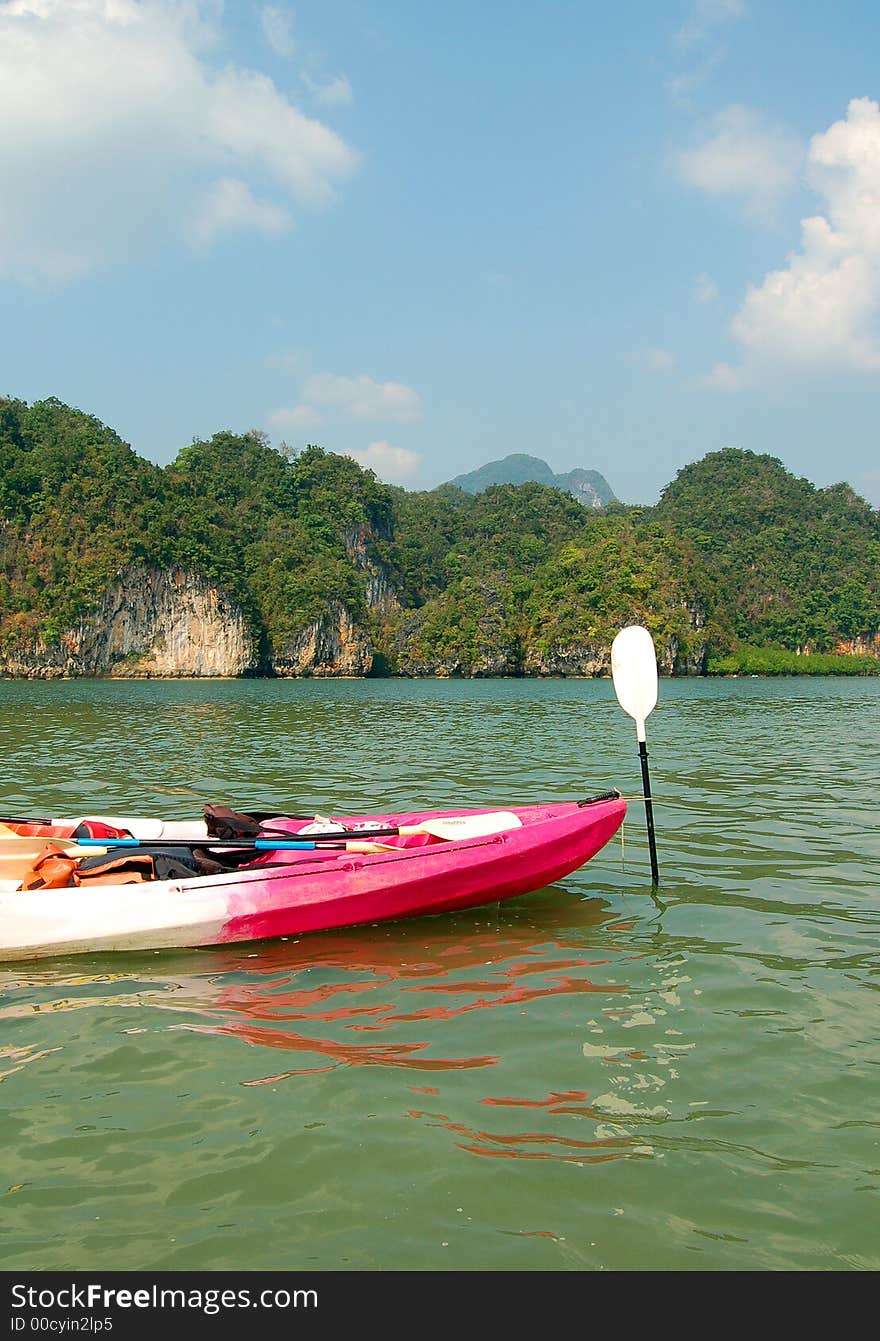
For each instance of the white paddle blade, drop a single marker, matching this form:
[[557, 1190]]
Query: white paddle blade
[[634, 672], [467, 826]]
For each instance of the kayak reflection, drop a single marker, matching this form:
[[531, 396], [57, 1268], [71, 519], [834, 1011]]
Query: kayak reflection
[[321, 994], [391, 996], [311, 996]]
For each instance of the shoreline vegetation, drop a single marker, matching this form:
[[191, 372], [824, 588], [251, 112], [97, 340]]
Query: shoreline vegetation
[[240, 559], [770, 661], [757, 664]]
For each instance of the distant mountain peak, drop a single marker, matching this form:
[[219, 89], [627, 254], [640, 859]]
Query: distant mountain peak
[[587, 486]]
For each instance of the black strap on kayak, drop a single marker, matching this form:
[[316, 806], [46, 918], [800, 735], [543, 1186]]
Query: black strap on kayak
[[603, 796]]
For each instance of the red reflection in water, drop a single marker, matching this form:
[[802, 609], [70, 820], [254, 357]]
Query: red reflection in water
[[393, 1054], [520, 1145], [552, 1101], [361, 980]]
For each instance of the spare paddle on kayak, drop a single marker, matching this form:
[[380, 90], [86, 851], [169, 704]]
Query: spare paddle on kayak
[[330, 834], [18, 853], [227, 844], [634, 672], [321, 832]]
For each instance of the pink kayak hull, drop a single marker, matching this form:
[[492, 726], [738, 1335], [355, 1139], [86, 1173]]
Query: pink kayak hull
[[553, 841], [314, 891]]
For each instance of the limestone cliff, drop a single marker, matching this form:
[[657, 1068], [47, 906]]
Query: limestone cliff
[[587, 486], [492, 640], [482, 638], [150, 623], [866, 646], [174, 624], [594, 658], [331, 645], [380, 594]]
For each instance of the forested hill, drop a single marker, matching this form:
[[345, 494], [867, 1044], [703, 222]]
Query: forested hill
[[517, 579], [790, 563]]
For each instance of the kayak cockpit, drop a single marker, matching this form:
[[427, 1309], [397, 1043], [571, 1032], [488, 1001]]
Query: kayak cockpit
[[124, 850]]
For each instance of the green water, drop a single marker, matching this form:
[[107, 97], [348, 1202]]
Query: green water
[[584, 1078]]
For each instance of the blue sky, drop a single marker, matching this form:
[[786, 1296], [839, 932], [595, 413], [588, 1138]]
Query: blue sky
[[616, 237]]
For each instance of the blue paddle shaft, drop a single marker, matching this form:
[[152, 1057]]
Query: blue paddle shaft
[[260, 844]]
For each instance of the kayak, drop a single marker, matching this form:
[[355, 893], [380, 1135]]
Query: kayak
[[297, 875]]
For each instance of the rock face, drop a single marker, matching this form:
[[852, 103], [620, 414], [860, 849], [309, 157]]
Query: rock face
[[174, 624], [867, 645], [149, 624], [591, 659], [331, 645], [497, 647], [381, 596], [587, 486], [569, 659], [583, 660]]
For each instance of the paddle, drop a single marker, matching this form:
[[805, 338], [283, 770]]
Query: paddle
[[634, 672], [17, 852], [445, 826], [239, 844], [448, 827]]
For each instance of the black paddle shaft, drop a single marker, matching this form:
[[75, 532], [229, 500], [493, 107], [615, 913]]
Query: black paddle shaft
[[649, 810]]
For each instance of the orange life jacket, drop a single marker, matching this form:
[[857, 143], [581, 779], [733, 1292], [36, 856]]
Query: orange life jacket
[[59, 870]]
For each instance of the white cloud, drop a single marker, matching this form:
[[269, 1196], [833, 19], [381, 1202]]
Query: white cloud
[[705, 288], [744, 155], [706, 16], [700, 42], [277, 26], [333, 92], [229, 207], [276, 22], [820, 311], [299, 418], [362, 398], [658, 360], [116, 133], [680, 87], [292, 360], [724, 377], [391, 464], [820, 308]]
